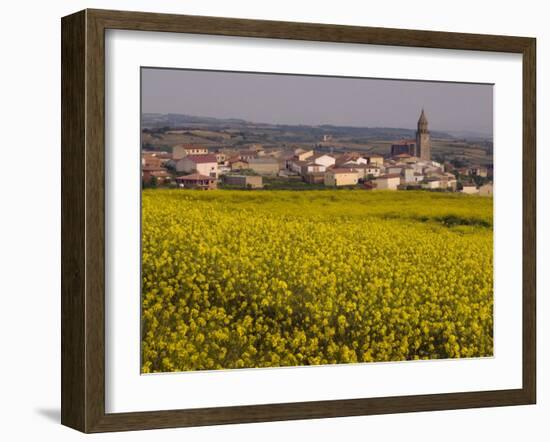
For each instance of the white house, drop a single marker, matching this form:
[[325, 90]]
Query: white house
[[451, 181], [433, 183], [394, 169], [341, 177], [388, 182], [408, 174], [432, 169], [364, 170], [323, 159], [296, 165], [372, 169], [202, 164], [312, 168]]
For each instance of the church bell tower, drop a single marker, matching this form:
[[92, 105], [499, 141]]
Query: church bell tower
[[423, 142]]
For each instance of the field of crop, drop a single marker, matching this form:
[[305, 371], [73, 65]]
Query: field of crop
[[236, 279]]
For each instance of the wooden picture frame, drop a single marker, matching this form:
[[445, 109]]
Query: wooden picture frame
[[83, 220]]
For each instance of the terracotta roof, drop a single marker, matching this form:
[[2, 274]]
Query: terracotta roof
[[151, 169], [194, 177], [199, 159]]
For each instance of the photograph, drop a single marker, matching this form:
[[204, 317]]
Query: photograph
[[304, 220]]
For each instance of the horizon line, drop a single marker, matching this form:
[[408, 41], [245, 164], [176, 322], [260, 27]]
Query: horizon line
[[486, 134]]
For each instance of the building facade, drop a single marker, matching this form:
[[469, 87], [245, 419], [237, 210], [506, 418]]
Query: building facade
[[423, 140], [237, 164], [196, 181], [388, 182], [246, 181], [341, 177], [404, 147], [155, 174], [322, 159], [264, 166], [182, 150], [202, 164], [374, 159]]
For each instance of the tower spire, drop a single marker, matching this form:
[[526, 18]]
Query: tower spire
[[422, 119], [423, 142]]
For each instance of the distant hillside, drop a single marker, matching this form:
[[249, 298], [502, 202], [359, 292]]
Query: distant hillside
[[173, 120], [182, 121], [470, 135]]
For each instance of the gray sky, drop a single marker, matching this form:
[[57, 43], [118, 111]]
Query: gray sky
[[292, 99]]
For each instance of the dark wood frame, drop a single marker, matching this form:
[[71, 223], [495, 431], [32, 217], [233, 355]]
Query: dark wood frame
[[83, 216]]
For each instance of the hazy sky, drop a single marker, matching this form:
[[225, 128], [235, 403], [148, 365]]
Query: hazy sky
[[291, 99]]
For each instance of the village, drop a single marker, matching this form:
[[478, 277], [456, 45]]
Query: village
[[407, 166]]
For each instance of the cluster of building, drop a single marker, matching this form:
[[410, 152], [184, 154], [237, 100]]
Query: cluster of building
[[408, 166]]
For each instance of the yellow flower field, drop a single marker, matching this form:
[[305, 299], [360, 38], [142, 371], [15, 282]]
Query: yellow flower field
[[234, 279]]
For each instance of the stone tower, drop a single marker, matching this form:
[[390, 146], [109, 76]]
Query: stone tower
[[423, 142]]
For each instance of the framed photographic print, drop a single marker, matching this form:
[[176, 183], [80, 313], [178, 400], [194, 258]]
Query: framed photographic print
[[268, 221]]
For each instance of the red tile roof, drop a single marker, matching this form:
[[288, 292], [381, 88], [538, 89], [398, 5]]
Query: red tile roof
[[194, 177], [199, 159]]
